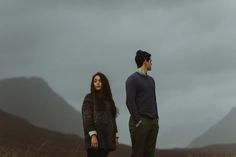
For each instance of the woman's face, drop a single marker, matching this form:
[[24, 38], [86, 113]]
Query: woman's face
[[97, 82]]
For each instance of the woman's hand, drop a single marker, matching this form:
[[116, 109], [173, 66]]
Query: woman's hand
[[94, 142]]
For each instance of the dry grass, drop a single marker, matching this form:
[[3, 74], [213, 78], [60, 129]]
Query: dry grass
[[47, 148], [211, 155], [43, 149]]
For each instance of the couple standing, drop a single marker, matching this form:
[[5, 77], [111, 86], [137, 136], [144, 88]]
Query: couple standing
[[99, 112]]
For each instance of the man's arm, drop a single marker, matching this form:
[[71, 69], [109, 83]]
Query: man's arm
[[131, 90]]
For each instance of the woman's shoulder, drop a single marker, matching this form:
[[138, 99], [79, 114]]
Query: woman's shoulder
[[88, 95], [88, 98], [88, 102]]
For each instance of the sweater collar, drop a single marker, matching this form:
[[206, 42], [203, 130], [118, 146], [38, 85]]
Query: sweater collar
[[141, 72]]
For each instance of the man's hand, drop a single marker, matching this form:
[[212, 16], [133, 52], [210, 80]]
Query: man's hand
[[139, 122]]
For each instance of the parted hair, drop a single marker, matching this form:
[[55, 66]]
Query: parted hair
[[104, 94]]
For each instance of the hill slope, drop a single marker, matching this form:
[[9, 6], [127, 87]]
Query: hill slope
[[221, 133], [20, 138], [33, 100]]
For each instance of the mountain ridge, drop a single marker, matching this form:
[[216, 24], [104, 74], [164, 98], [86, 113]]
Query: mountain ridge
[[223, 132], [33, 99]]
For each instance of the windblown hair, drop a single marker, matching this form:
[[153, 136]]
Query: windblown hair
[[104, 94], [141, 56]]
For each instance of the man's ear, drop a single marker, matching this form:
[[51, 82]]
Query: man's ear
[[145, 62]]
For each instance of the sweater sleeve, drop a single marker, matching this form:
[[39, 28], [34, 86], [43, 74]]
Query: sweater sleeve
[[130, 98], [87, 115]]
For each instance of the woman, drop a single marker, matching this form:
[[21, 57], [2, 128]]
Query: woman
[[99, 113]]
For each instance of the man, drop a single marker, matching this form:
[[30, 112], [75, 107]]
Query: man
[[142, 105]]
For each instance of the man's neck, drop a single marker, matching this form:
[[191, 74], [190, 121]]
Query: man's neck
[[143, 70]]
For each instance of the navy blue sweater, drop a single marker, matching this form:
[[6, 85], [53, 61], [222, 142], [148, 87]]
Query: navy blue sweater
[[141, 96]]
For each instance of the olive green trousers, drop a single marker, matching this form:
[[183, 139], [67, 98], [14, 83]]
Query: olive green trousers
[[144, 137]]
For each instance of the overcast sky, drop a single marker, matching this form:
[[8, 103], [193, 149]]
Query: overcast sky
[[192, 45]]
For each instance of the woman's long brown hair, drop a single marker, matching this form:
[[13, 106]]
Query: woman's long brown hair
[[105, 92]]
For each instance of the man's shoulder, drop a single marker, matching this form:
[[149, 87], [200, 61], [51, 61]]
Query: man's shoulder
[[132, 77], [151, 78]]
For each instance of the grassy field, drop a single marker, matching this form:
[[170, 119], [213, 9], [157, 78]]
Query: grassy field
[[43, 149], [38, 152]]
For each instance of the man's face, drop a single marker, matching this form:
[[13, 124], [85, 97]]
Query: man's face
[[149, 64]]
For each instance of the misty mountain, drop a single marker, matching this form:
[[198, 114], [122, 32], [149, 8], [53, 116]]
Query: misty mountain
[[32, 99], [221, 133]]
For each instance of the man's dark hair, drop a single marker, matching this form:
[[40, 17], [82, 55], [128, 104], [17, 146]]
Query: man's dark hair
[[141, 56]]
